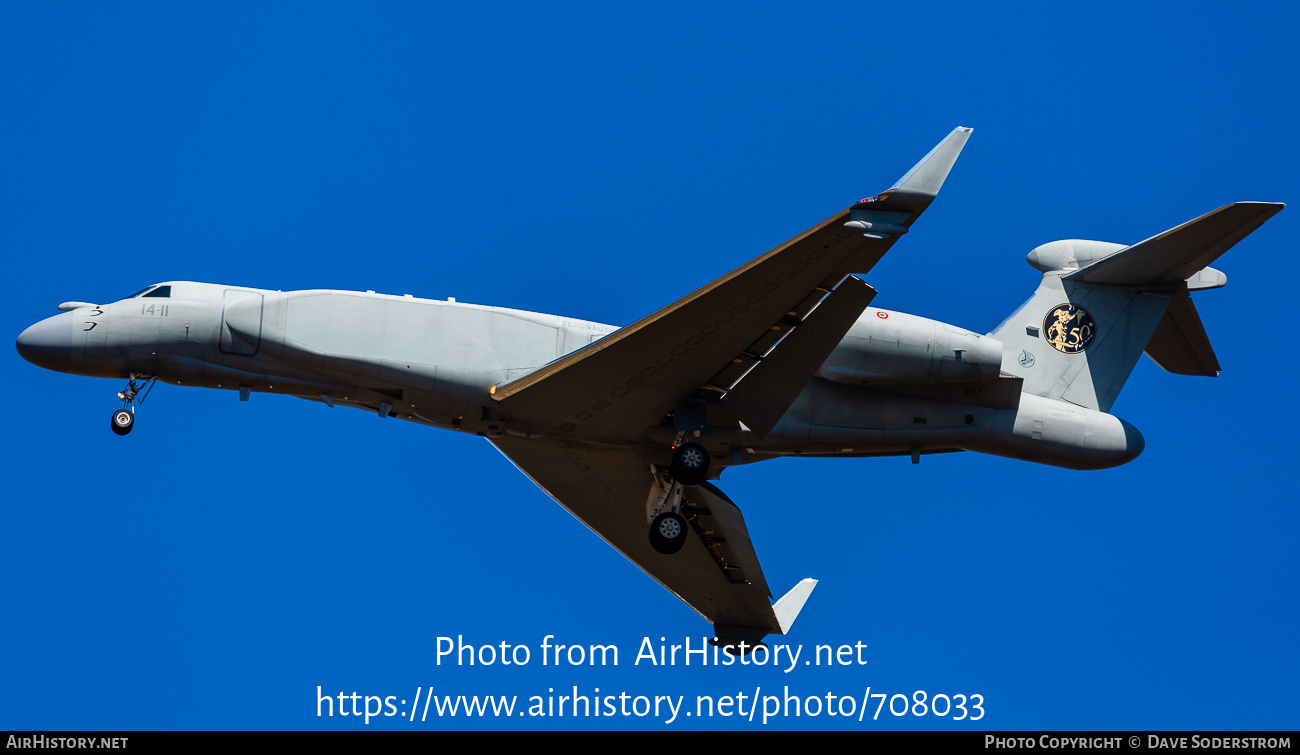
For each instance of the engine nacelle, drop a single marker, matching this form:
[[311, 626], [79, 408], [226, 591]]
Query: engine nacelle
[[886, 347]]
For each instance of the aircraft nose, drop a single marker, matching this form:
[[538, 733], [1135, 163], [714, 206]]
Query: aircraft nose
[[48, 343]]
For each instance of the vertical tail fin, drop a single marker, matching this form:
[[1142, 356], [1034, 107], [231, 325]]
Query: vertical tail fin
[[1100, 306], [1079, 342]]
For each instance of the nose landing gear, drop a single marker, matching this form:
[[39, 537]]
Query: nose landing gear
[[123, 421], [124, 418]]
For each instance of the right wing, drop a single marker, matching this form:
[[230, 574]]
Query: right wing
[[716, 572], [701, 346]]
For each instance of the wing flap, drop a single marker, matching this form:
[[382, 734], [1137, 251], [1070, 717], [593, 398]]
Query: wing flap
[[764, 393], [721, 528], [632, 378]]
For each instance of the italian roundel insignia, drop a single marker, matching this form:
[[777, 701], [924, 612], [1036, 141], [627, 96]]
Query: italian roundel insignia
[[1069, 328]]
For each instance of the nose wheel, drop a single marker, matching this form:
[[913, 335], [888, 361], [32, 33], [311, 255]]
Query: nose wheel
[[133, 395], [123, 421]]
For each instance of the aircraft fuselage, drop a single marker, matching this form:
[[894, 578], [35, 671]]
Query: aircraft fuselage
[[896, 384]]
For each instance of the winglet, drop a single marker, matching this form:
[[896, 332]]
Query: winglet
[[788, 607], [919, 186], [927, 176]]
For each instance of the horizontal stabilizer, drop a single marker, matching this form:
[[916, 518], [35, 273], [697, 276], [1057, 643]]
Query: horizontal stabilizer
[[1179, 253], [1180, 344]]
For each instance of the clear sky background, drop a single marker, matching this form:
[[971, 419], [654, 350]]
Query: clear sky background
[[598, 161]]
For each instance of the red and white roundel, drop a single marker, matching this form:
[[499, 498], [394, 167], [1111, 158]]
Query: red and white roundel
[[883, 315]]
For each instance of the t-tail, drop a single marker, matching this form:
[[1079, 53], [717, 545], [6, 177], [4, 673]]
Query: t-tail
[[1101, 305]]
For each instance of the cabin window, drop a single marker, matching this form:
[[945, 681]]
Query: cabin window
[[162, 292]]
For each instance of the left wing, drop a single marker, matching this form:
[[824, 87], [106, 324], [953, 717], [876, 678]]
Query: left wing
[[716, 572], [701, 346]]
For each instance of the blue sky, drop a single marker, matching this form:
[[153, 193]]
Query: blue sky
[[214, 567]]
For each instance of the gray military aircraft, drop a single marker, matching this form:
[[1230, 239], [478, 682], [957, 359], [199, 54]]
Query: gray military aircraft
[[627, 427]]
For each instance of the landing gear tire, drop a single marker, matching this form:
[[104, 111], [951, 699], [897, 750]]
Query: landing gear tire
[[690, 464], [123, 421], [668, 533]]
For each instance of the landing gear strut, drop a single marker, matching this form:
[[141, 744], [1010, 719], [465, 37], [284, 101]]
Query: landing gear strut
[[124, 418], [690, 466]]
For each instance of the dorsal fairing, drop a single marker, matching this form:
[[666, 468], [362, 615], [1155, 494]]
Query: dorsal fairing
[[1069, 254]]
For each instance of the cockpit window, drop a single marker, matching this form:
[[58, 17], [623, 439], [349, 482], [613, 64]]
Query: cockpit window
[[141, 291], [162, 292]]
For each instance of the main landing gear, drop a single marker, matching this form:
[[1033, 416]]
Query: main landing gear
[[668, 528], [668, 532], [690, 464], [124, 418]]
